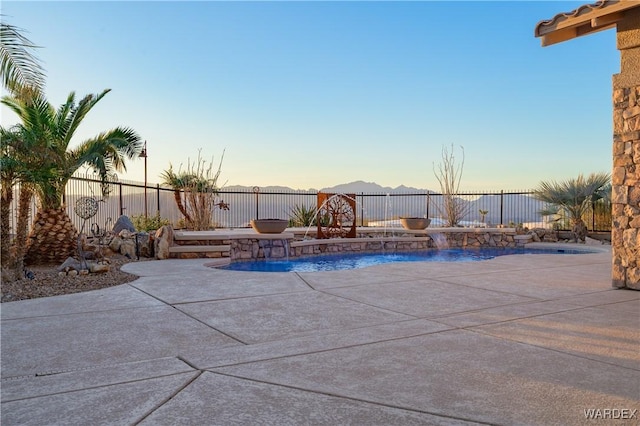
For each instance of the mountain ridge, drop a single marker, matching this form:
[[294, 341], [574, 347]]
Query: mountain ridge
[[357, 186]]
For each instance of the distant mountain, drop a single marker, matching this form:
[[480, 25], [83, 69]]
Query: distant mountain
[[369, 187], [345, 188], [274, 188]]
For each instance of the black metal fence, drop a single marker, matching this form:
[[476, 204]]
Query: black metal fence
[[509, 208]]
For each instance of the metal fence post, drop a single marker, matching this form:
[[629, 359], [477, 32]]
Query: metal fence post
[[256, 190], [120, 202], [428, 203], [158, 198], [502, 207]]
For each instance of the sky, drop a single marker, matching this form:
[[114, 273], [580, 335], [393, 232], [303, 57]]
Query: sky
[[313, 94]]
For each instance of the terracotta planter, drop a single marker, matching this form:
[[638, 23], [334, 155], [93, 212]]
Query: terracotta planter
[[414, 223], [269, 226]]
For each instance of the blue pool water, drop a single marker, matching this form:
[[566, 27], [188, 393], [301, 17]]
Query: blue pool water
[[336, 262]]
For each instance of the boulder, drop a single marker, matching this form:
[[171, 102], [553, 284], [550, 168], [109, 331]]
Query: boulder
[[115, 244], [95, 267], [70, 264], [128, 248], [145, 244], [163, 241], [123, 222]]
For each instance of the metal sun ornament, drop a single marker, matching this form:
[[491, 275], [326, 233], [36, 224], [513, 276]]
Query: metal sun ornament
[[86, 207]]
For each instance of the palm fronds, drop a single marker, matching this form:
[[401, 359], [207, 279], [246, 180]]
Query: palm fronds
[[574, 196], [19, 68], [51, 131]]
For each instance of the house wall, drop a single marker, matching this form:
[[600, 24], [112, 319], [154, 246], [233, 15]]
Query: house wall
[[625, 235]]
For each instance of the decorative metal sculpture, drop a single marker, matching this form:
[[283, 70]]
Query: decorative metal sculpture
[[86, 208], [336, 215], [102, 236]]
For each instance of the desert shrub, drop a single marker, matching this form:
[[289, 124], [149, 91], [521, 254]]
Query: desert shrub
[[303, 215], [196, 192], [150, 223]]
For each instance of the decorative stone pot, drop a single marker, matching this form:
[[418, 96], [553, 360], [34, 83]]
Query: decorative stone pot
[[414, 223], [269, 226]]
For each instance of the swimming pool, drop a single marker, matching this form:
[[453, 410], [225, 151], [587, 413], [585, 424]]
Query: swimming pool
[[342, 261]]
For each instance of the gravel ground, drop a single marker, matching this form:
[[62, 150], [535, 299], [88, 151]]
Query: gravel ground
[[47, 282]]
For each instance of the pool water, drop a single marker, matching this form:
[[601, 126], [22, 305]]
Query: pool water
[[342, 261]]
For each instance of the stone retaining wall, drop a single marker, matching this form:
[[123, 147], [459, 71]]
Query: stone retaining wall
[[625, 178], [248, 248], [625, 234], [357, 245]]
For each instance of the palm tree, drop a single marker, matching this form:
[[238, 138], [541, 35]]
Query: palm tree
[[195, 191], [178, 182], [19, 69], [53, 235], [18, 164], [483, 214], [22, 75], [575, 197]]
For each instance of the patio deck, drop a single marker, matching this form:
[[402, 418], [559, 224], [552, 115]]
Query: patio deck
[[525, 339]]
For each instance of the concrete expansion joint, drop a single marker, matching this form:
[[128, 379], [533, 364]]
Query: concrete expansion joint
[[169, 398], [340, 296], [208, 325], [478, 330], [349, 398], [83, 369], [189, 363], [304, 281], [55, 372]]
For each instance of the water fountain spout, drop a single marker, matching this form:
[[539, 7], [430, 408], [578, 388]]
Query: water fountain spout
[[440, 240]]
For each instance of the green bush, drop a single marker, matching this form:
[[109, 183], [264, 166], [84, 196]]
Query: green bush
[[150, 223], [302, 215]]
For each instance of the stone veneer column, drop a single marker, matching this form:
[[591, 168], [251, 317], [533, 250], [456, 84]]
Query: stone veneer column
[[625, 234]]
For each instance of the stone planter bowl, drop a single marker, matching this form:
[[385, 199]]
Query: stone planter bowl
[[269, 226], [414, 223]]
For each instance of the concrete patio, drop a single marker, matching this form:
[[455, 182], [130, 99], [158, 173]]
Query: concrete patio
[[526, 339]]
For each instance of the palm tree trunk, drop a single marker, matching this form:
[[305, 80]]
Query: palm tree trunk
[[579, 230], [183, 210], [52, 239], [5, 211], [22, 226]]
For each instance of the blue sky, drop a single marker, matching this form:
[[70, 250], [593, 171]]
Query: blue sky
[[314, 94]]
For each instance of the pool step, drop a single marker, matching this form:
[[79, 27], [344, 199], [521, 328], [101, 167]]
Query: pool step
[[199, 249], [194, 251]]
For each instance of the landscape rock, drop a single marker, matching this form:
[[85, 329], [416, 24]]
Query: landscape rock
[[127, 244], [123, 222], [70, 264], [163, 241], [115, 244], [145, 244], [98, 267]]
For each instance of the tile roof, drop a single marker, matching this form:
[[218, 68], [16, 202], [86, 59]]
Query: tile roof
[[586, 19]]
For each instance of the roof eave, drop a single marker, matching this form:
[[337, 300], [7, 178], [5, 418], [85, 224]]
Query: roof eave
[[569, 33], [587, 19]]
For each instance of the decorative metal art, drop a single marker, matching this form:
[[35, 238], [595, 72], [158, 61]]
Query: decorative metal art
[[86, 208], [336, 215]]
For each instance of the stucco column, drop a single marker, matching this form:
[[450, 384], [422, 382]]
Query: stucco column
[[625, 234]]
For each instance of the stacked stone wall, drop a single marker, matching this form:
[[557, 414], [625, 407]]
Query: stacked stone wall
[[359, 247], [625, 234], [261, 248]]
